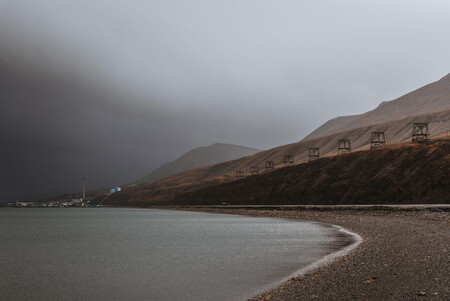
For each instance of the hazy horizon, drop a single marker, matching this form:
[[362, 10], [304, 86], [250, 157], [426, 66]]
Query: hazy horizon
[[111, 90]]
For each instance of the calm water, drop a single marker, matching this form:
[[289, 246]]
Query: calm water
[[134, 254]]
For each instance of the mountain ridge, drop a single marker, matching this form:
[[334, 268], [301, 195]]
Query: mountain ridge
[[396, 131], [430, 98], [198, 157]]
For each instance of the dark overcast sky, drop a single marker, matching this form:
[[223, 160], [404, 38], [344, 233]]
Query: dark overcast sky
[[111, 89]]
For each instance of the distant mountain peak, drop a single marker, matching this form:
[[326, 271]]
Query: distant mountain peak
[[198, 157]]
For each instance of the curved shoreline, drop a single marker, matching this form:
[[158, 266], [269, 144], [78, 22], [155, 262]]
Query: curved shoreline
[[405, 256], [329, 258]]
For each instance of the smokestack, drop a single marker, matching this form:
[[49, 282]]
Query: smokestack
[[84, 188]]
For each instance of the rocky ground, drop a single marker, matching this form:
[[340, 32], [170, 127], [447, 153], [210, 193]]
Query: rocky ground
[[404, 256]]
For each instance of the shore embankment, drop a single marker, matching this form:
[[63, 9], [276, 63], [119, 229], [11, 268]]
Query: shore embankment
[[404, 255], [399, 174]]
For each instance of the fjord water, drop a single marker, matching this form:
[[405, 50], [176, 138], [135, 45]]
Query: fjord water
[[142, 254]]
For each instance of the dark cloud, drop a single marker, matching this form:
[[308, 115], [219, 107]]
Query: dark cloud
[[54, 133]]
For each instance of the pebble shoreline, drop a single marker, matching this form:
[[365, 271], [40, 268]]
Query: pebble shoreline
[[404, 255]]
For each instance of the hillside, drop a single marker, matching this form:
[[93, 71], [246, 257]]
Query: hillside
[[409, 174], [402, 174], [431, 98], [202, 156], [396, 131]]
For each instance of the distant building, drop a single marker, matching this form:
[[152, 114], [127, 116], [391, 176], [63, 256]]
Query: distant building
[[24, 204], [115, 189]]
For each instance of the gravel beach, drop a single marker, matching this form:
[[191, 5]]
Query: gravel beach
[[404, 255]]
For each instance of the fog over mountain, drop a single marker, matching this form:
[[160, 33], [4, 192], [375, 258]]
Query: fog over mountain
[[198, 157], [111, 89]]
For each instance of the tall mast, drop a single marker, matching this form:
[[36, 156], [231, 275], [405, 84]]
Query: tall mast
[[84, 188]]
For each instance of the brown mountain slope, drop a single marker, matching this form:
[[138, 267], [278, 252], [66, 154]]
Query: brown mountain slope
[[428, 99], [396, 131], [396, 175], [399, 174]]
